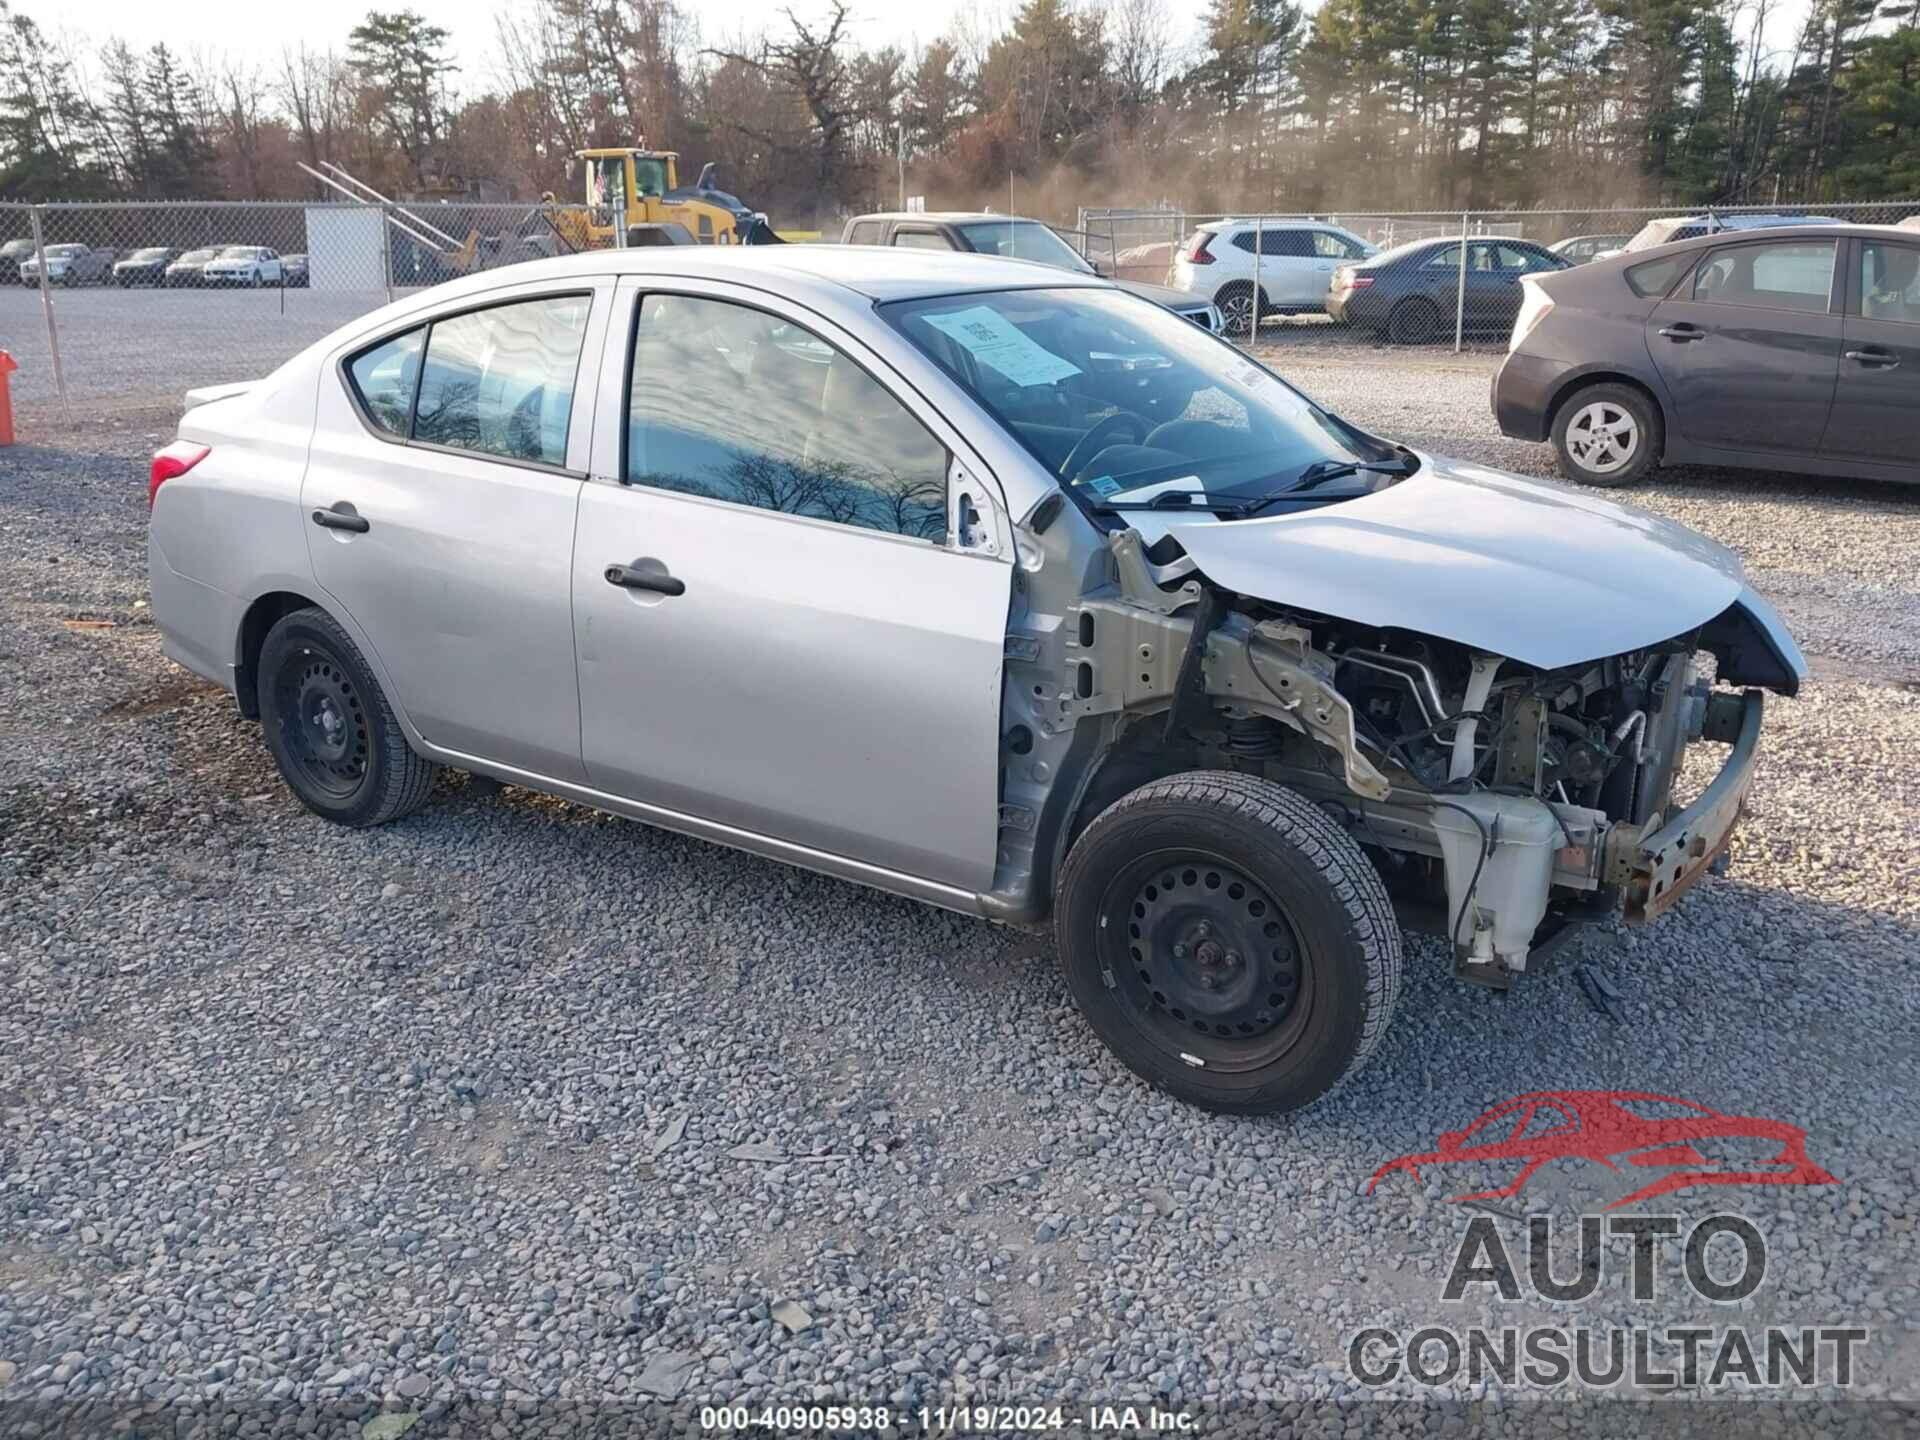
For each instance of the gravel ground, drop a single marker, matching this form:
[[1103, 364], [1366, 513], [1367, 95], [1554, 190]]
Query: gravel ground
[[516, 1104]]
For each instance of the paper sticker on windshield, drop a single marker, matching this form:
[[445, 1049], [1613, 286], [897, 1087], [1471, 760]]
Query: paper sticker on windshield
[[996, 342], [1104, 485]]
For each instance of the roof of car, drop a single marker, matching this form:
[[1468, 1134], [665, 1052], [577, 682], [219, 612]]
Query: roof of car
[[946, 217], [1268, 223], [1743, 234], [875, 272]]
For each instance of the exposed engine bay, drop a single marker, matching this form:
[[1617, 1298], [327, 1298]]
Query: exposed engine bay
[[1503, 803]]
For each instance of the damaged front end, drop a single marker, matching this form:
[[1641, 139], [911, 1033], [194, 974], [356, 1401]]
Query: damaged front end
[[1503, 802]]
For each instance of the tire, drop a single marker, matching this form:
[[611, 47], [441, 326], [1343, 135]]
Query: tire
[[1608, 435], [1236, 307], [355, 768], [257, 281], [1413, 322], [1305, 964]]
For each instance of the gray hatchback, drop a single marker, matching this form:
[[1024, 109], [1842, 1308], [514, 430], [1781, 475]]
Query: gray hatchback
[[1764, 349]]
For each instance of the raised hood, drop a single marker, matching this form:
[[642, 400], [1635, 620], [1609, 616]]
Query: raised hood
[[1513, 567]]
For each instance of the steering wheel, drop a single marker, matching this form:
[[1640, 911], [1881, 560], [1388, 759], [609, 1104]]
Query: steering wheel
[[1098, 438]]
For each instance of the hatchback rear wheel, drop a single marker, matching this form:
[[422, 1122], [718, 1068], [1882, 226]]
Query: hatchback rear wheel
[[337, 741], [1607, 435], [1229, 942]]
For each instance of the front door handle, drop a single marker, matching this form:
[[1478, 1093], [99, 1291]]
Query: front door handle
[[1877, 359], [1683, 332], [645, 575], [342, 516]]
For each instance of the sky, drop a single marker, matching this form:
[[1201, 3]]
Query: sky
[[272, 27]]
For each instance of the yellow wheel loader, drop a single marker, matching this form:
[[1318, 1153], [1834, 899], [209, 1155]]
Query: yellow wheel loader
[[645, 184]]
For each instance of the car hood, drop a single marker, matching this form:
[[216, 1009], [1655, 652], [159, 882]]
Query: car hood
[[1164, 295], [1513, 567]]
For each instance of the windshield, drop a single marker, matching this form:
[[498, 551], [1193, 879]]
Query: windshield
[[650, 176], [199, 255], [149, 255], [65, 252], [1023, 240], [237, 252], [1125, 401]]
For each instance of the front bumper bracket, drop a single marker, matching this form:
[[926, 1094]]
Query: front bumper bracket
[[1668, 861]]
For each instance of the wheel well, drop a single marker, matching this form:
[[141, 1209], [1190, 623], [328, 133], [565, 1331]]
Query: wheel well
[[1139, 757], [1602, 377], [261, 616]]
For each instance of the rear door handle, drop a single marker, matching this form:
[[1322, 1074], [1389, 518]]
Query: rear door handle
[[1683, 332], [645, 575], [342, 516], [1878, 359]]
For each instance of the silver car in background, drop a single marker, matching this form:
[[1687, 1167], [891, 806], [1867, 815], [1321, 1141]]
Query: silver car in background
[[908, 568], [70, 265]]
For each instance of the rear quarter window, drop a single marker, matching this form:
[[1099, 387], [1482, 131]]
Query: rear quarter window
[[1655, 278]]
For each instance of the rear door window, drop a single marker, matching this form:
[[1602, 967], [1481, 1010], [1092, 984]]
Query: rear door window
[[500, 381], [922, 240], [1890, 282]]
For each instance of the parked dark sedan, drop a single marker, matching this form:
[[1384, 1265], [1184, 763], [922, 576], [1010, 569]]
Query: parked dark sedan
[[1774, 349], [1411, 293], [144, 267]]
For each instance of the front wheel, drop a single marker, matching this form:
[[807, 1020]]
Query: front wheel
[[1229, 942], [1608, 435], [1237, 308], [337, 742]]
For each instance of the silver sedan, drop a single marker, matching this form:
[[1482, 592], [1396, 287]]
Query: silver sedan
[[980, 583]]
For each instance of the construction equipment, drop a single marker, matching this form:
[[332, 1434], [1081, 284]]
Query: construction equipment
[[644, 185]]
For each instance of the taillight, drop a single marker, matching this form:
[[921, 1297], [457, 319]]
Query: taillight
[[176, 459], [1199, 254], [1535, 306]]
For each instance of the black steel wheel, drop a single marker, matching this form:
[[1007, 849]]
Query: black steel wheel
[[337, 741], [1217, 965], [1228, 941], [1414, 322]]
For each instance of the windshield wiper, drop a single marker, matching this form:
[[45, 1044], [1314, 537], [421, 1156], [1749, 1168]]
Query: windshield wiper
[[1176, 500], [1321, 471]]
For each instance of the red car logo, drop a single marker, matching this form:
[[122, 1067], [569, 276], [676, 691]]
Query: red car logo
[[1616, 1128]]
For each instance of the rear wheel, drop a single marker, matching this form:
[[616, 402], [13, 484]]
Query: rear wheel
[[1229, 942], [337, 742], [1608, 435], [1414, 322]]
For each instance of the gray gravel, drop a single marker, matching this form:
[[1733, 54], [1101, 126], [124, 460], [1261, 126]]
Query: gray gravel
[[515, 1103]]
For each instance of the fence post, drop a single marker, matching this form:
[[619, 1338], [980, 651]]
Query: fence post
[[1253, 320], [386, 248], [1460, 301], [46, 308]]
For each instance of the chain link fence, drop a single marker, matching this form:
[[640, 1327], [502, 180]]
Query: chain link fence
[[109, 306], [1413, 278], [127, 305]]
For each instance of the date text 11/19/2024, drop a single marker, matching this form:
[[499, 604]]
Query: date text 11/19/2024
[[948, 1419]]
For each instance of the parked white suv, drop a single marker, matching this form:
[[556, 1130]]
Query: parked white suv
[[1297, 261], [243, 265]]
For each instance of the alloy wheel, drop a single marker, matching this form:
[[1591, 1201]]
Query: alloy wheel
[[1603, 438]]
